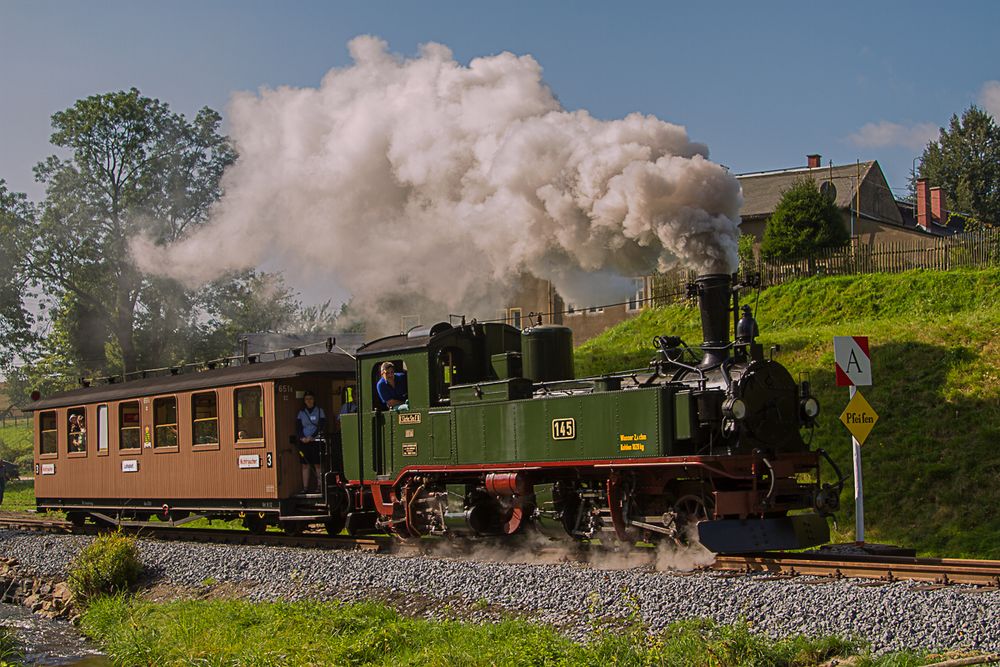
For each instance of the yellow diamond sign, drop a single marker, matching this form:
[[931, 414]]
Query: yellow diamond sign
[[859, 417]]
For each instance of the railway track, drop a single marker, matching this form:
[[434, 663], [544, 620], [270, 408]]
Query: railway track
[[935, 571], [811, 567]]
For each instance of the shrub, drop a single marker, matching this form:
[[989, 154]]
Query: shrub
[[803, 222], [110, 564]]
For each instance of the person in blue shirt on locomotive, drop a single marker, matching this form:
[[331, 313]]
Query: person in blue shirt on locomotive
[[310, 426], [391, 388]]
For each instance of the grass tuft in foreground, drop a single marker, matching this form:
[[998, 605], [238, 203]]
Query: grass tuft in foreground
[[10, 647], [326, 633], [109, 564]]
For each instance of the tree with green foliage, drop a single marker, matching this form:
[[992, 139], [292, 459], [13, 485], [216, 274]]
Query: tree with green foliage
[[133, 167], [804, 221], [965, 163], [16, 214]]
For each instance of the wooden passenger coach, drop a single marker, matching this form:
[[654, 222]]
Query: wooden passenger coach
[[213, 443]]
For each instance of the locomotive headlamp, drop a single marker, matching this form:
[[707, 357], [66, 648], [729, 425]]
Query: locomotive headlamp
[[734, 408], [810, 407]]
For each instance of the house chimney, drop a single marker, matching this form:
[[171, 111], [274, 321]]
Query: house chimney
[[814, 160], [938, 212], [923, 204]]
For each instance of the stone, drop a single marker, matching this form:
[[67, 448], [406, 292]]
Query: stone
[[61, 590]]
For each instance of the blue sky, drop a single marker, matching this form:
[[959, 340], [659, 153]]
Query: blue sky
[[762, 83]]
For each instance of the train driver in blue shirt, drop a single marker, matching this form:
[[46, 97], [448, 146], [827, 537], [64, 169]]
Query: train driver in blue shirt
[[391, 387]]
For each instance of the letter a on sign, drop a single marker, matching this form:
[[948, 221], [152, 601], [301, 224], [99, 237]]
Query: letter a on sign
[[854, 364]]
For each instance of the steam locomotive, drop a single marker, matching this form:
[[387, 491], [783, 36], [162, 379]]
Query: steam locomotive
[[497, 438]]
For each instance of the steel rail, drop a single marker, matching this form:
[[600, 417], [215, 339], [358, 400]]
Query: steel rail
[[940, 571], [207, 535]]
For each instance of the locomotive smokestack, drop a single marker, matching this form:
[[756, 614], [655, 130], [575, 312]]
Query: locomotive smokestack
[[713, 300]]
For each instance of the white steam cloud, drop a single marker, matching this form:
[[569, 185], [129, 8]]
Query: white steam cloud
[[421, 178]]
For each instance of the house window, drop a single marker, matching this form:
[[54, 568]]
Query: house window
[[637, 300], [49, 443], [514, 317], [572, 309], [129, 436], [165, 422], [205, 418], [76, 430], [102, 428], [249, 413]]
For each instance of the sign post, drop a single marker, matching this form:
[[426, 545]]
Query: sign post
[[854, 369]]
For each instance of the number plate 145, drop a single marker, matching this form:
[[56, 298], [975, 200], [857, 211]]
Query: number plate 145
[[564, 429]]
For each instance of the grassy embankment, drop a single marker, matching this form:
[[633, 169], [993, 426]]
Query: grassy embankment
[[313, 633], [932, 462]]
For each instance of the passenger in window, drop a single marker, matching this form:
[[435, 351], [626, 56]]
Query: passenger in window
[[310, 426], [391, 388], [77, 433]]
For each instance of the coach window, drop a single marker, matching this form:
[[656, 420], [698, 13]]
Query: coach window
[[49, 442], [129, 436], [165, 422], [102, 429], [76, 431], [249, 414], [205, 419]]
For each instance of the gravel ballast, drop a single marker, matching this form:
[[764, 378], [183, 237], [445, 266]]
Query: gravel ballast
[[893, 616]]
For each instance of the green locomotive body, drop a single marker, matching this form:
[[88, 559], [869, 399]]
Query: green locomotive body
[[497, 437]]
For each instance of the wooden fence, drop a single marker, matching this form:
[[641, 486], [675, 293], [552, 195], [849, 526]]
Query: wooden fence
[[972, 249], [23, 421]]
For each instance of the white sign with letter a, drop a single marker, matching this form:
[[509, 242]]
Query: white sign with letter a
[[854, 363]]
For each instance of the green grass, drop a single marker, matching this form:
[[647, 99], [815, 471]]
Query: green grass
[[19, 496], [16, 445], [932, 461], [315, 633]]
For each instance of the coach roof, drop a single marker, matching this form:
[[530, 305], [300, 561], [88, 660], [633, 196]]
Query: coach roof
[[220, 377]]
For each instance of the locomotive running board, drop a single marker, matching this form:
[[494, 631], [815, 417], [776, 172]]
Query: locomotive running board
[[780, 533]]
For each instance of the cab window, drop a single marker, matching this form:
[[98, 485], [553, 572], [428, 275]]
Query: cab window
[[249, 413], [447, 369], [49, 442], [165, 422], [399, 368], [205, 418], [129, 436]]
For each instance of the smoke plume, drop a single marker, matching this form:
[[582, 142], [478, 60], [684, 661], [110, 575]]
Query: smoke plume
[[425, 182]]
